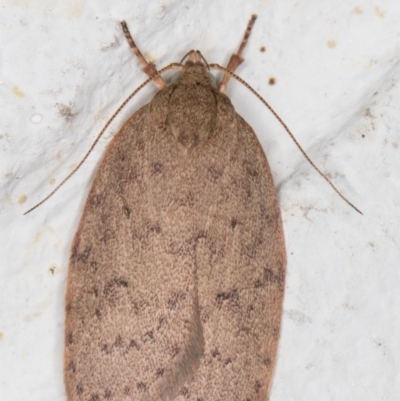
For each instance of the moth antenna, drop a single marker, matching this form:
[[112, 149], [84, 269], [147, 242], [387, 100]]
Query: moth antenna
[[148, 68], [236, 58], [93, 144], [233, 75], [154, 75], [170, 67]]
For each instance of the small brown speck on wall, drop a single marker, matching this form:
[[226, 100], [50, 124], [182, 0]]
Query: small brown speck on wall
[[177, 270]]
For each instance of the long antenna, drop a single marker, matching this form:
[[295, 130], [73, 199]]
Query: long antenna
[[123, 104], [233, 75]]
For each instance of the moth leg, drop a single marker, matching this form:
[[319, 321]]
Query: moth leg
[[236, 58], [148, 68]]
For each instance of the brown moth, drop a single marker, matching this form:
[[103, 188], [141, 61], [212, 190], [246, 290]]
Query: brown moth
[[177, 270]]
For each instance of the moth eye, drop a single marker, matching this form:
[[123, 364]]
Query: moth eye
[[212, 80], [175, 78]]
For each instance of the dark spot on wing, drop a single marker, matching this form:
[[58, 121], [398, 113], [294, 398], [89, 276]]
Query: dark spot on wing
[[141, 386], [250, 169], [174, 350], [141, 306], [162, 322], [175, 300], [275, 333], [127, 390], [93, 265], [159, 372], [184, 391], [121, 156], [257, 283], [96, 200], [72, 367], [94, 291], [188, 140], [82, 256], [270, 219], [106, 349], [157, 168], [104, 217], [127, 211], [148, 337], [154, 228], [70, 339], [114, 284], [95, 397], [118, 342], [213, 174], [108, 394], [252, 172], [134, 344], [215, 353], [231, 296], [234, 223], [140, 145], [79, 388], [271, 277], [107, 236], [267, 361]]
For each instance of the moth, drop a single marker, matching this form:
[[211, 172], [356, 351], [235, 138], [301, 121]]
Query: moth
[[177, 269]]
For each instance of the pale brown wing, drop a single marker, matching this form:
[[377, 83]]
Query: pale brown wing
[[132, 329], [178, 260], [240, 262]]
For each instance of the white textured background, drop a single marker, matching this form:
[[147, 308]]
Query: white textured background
[[65, 66]]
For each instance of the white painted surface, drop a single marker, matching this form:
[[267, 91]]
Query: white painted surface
[[65, 67]]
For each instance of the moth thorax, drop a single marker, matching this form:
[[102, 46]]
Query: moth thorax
[[192, 110]]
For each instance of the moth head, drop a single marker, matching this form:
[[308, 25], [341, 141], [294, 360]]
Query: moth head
[[195, 70]]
